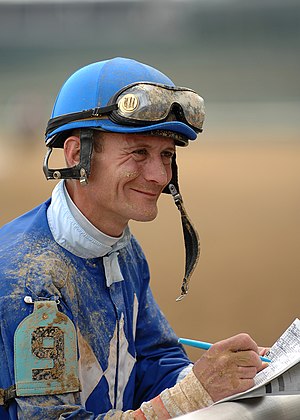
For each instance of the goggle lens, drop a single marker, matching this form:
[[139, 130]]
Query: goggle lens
[[145, 102]]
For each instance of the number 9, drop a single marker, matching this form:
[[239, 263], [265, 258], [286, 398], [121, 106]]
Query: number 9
[[48, 343]]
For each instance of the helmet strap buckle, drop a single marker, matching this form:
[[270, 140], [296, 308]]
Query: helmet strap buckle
[[80, 171], [83, 177]]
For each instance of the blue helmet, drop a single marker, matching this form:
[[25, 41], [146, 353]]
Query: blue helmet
[[93, 86]]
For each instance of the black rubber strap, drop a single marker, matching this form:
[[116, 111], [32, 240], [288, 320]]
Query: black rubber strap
[[191, 242], [174, 180], [79, 171], [57, 122]]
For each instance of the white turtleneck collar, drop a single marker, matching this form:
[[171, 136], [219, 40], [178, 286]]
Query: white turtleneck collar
[[74, 232]]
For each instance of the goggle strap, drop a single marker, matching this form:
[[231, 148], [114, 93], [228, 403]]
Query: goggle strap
[[57, 122], [191, 242]]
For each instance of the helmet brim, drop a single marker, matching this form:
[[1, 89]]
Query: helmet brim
[[107, 125]]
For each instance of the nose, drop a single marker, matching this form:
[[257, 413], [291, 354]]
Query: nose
[[156, 171]]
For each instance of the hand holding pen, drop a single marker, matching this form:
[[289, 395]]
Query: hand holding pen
[[229, 366]]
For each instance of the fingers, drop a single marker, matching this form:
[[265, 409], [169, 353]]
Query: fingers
[[243, 350], [229, 366], [263, 366], [247, 372], [238, 342], [247, 359], [262, 351]]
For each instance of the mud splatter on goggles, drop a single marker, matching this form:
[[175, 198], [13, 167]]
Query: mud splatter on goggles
[[144, 103]]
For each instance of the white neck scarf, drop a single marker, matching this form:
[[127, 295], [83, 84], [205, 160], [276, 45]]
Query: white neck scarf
[[73, 231]]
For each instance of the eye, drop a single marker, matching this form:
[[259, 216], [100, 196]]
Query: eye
[[140, 154], [140, 151], [167, 156]]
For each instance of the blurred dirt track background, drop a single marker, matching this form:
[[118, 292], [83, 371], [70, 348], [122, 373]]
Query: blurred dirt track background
[[240, 180]]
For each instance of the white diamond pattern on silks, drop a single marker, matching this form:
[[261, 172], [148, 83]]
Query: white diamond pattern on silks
[[135, 314], [125, 366], [90, 371]]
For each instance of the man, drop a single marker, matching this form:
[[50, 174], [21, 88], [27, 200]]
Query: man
[[81, 334]]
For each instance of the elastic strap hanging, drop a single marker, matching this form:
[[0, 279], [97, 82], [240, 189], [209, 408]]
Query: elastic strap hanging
[[191, 242]]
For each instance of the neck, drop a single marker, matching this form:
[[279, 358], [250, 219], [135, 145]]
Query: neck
[[79, 201]]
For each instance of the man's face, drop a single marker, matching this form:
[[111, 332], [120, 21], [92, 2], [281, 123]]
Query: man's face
[[127, 177]]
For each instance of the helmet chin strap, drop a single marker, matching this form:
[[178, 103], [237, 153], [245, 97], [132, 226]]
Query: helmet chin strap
[[191, 242], [80, 171]]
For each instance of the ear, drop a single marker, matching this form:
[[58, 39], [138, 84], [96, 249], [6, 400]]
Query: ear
[[72, 150]]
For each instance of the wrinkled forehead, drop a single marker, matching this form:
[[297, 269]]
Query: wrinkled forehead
[[136, 140], [178, 139]]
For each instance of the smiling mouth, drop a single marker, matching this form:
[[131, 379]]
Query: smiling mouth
[[148, 193]]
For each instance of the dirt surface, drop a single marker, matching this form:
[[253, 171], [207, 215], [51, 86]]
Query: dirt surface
[[244, 199]]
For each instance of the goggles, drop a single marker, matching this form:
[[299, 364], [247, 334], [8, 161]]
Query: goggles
[[144, 103], [141, 104]]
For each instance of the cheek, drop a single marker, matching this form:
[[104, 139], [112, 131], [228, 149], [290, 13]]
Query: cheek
[[129, 175], [169, 173], [109, 177], [128, 171]]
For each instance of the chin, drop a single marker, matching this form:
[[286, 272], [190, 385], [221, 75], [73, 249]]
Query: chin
[[146, 217]]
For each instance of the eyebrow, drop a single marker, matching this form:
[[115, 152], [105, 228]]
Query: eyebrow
[[141, 144]]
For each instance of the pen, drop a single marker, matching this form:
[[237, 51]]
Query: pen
[[205, 346]]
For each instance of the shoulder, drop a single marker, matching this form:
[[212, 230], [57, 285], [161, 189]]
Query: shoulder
[[30, 259], [12, 232]]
